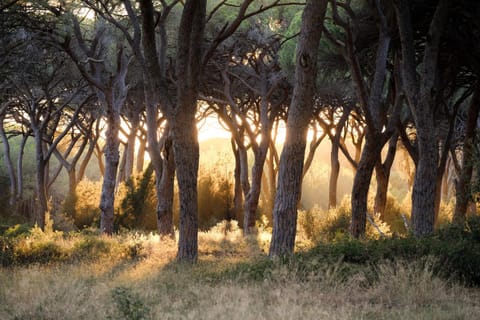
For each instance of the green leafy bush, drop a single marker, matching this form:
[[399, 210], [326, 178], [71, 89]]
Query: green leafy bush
[[18, 230], [129, 304], [6, 252], [39, 252], [138, 206]]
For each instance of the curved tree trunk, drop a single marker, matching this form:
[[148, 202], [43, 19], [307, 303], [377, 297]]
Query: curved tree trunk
[[293, 154], [361, 184], [419, 87], [382, 174], [251, 200], [166, 191]]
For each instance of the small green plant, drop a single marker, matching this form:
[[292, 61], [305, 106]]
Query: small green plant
[[130, 304], [6, 252], [18, 230]]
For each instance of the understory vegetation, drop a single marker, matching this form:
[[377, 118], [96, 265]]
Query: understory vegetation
[[134, 276]]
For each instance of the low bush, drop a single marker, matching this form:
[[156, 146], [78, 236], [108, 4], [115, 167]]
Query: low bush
[[453, 253], [129, 304], [6, 252]]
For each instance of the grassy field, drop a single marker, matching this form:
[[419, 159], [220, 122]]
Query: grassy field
[[133, 276]]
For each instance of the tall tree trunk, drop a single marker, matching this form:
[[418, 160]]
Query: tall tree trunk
[[334, 174], [121, 168], [40, 183], [374, 113], [186, 152], [130, 148], [141, 156], [21, 152], [420, 95], [238, 195], [300, 112], [334, 162], [86, 159], [185, 145], [382, 174], [251, 201], [166, 188], [361, 184], [424, 185], [112, 157], [463, 191], [8, 164]]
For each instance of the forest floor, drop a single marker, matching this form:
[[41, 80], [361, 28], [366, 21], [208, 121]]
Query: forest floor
[[233, 279]]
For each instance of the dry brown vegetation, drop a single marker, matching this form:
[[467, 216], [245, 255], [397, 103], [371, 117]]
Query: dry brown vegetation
[[228, 282]]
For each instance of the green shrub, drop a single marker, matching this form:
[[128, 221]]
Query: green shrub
[[90, 247], [18, 230], [39, 252], [138, 206], [455, 250], [7, 255], [129, 304]]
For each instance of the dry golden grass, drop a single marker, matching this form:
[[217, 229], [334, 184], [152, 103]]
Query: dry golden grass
[[155, 287]]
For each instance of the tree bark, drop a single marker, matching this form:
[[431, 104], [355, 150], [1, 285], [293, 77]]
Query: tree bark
[[185, 139], [130, 147], [112, 157], [375, 114], [361, 184], [166, 191], [300, 112], [334, 162], [251, 201], [238, 195], [424, 185], [463, 191], [421, 95], [141, 155], [382, 174], [21, 152], [40, 182], [8, 163]]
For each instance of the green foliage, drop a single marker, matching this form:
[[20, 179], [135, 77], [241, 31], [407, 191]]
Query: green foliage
[[137, 208], [18, 230], [21, 246], [130, 304], [91, 247], [6, 251]]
